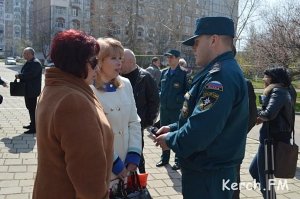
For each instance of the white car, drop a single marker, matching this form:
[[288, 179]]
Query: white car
[[10, 61]]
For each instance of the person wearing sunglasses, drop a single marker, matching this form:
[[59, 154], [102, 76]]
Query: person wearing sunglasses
[[74, 138]]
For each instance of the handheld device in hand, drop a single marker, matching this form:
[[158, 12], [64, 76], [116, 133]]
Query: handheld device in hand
[[154, 130]]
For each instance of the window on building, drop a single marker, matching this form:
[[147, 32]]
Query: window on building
[[101, 5], [60, 23], [76, 24], [60, 10], [17, 2], [186, 30], [17, 31], [140, 32], [187, 19], [151, 33], [178, 7], [116, 30], [75, 12], [141, 10]]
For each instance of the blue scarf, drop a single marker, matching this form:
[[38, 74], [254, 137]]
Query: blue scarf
[[109, 87]]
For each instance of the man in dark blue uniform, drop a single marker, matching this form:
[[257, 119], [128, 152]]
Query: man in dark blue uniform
[[210, 136], [172, 87]]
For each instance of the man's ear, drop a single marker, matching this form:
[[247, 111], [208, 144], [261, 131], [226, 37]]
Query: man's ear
[[214, 40]]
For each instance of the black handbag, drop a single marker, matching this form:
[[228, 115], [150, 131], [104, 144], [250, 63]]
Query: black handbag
[[135, 191], [1, 99], [17, 88]]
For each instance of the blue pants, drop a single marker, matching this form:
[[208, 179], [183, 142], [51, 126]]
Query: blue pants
[[208, 185]]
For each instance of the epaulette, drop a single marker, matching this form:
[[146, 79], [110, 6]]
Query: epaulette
[[215, 68]]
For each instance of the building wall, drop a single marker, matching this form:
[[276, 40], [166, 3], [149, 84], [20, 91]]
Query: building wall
[[2, 28], [147, 27]]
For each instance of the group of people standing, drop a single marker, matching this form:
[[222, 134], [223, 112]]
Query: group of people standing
[[97, 101]]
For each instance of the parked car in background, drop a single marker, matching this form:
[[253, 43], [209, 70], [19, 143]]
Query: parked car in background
[[48, 63], [10, 61], [18, 59]]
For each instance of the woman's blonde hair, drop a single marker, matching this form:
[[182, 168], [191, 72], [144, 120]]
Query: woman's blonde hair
[[108, 47]]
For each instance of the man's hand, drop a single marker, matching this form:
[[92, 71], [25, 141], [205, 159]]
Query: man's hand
[[161, 141], [162, 130]]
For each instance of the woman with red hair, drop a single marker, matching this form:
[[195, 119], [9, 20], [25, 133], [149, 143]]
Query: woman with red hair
[[74, 138]]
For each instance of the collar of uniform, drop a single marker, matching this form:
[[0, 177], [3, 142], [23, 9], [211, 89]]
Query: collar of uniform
[[174, 71], [220, 58]]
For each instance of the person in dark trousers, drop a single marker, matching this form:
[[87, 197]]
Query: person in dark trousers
[[31, 74], [210, 136], [173, 85], [145, 94], [251, 124], [277, 116], [4, 84]]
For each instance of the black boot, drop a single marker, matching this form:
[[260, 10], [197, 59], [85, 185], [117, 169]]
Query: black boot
[[176, 166], [165, 157]]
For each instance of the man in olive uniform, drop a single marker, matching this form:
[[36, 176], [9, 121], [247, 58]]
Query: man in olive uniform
[[172, 87], [210, 136]]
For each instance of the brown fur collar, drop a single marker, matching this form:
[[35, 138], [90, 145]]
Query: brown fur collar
[[269, 88]]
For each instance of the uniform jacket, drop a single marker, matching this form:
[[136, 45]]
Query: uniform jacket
[[277, 110], [31, 74], [145, 94], [120, 110], [75, 141], [155, 72], [211, 132], [172, 88]]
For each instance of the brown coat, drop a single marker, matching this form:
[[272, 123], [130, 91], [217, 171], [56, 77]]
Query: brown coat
[[74, 139]]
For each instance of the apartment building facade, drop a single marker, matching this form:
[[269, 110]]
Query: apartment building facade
[[15, 23], [147, 27]]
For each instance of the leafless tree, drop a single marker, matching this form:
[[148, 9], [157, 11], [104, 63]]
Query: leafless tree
[[279, 43]]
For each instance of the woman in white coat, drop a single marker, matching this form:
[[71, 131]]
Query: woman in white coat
[[116, 96]]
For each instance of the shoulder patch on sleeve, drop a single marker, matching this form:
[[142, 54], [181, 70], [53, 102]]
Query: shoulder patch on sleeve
[[208, 100], [214, 85]]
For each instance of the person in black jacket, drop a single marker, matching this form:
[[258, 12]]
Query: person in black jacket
[[31, 74], [145, 94], [277, 116], [4, 84]]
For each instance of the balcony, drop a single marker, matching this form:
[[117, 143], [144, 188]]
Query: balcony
[[76, 3]]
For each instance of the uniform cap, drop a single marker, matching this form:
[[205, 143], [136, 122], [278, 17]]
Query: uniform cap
[[211, 26], [175, 53]]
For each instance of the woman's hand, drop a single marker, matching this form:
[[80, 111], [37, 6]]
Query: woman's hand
[[123, 174], [259, 120], [131, 167]]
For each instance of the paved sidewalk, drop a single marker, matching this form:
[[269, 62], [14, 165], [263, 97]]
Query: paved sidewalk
[[18, 158]]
